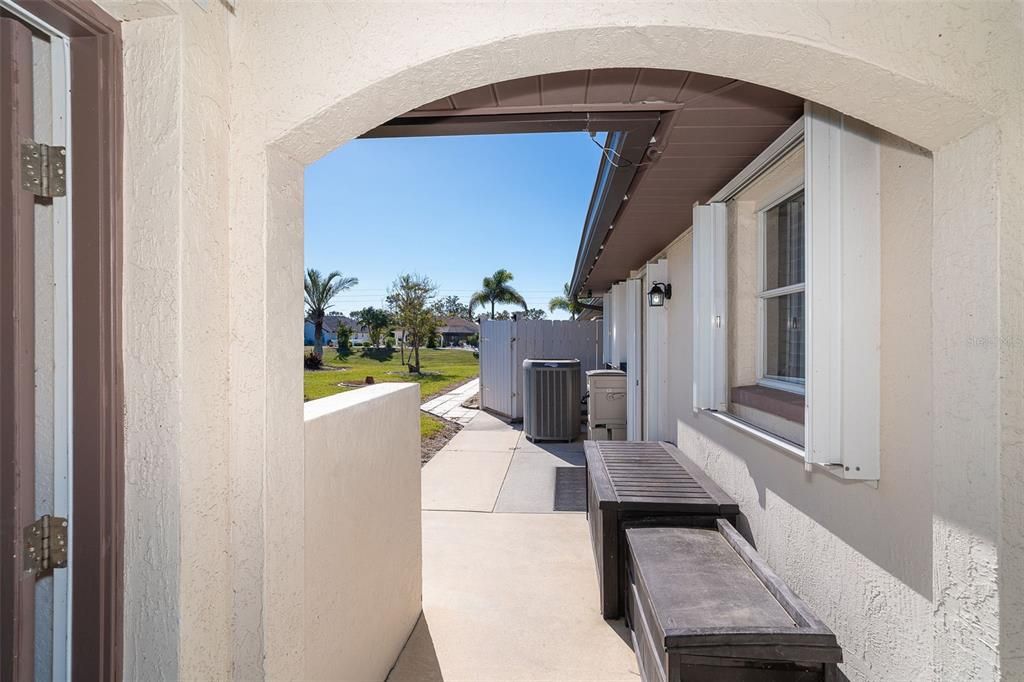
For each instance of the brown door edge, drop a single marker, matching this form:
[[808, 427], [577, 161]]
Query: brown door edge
[[17, 337], [97, 514]]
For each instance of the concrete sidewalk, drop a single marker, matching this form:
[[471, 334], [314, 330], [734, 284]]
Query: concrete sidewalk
[[509, 585], [449, 405]]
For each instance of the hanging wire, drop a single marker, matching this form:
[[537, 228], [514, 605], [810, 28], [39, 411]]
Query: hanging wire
[[608, 152]]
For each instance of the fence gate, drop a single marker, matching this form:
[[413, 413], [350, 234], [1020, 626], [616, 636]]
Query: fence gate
[[504, 344], [496, 366]]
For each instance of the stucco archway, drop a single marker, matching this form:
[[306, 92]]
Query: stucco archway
[[859, 77]]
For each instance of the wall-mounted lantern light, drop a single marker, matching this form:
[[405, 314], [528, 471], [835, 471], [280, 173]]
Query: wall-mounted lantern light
[[658, 294]]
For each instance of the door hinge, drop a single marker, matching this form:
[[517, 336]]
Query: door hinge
[[46, 545], [42, 169]]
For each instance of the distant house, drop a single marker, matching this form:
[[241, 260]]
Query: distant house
[[455, 330], [358, 334]]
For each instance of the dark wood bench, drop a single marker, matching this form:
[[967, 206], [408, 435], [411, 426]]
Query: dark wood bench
[[636, 484], [703, 605]]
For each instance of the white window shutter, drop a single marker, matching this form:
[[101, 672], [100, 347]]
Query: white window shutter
[[620, 324], [710, 307], [633, 293], [608, 327], [843, 181]]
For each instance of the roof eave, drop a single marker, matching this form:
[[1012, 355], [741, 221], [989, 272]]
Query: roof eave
[[616, 172]]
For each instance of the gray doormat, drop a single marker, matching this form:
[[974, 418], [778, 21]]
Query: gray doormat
[[571, 489]]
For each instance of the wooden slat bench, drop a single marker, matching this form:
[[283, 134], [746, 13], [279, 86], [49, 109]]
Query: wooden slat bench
[[702, 605], [635, 484]]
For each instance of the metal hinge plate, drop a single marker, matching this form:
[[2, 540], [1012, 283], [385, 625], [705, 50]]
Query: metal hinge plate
[[42, 169], [46, 545]]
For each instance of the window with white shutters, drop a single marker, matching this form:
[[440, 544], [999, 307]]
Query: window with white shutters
[[816, 299]]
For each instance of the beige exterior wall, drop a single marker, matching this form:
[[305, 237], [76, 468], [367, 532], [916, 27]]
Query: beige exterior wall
[[363, 581], [787, 174], [859, 553], [224, 107]]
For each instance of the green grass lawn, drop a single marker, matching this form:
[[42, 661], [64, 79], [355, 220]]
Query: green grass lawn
[[442, 370], [429, 425]]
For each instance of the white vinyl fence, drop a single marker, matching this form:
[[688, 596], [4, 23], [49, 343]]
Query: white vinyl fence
[[504, 344]]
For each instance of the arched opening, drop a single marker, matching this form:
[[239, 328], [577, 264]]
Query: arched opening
[[887, 96], [676, 138]]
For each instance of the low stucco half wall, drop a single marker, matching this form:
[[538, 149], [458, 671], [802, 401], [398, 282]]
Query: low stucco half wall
[[363, 563]]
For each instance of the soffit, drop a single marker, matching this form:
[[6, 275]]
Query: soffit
[[712, 127], [700, 148]]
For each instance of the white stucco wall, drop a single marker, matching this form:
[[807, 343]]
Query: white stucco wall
[[363, 578], [180, 603], [152, 348], [224, 108]]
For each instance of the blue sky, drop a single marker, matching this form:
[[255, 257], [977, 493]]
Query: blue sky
[[452, 208]]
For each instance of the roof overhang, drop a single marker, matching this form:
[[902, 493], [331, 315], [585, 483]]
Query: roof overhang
[[705, 130], [503, 124], [635, 213], [620, 167]]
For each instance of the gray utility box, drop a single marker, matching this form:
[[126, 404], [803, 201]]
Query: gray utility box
[[606, 404], [551, 399]]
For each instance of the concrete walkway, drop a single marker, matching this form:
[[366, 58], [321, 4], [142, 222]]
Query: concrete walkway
[[509, 585], [449, 405]]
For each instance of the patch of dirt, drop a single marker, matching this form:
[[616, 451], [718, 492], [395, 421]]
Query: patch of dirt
[[431, 446]]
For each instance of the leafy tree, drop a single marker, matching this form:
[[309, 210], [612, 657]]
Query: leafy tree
[[320, 291], [344, 340], [376, 321], [410, 300], [452, 306], [566, 302], [533, 314], [497, 289]]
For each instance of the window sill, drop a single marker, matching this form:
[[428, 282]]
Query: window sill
[[783, 404], [788, 447], [784, 446]]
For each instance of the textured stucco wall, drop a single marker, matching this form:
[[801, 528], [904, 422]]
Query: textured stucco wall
[[1011, 389], [152, 348], [213, 237], [178, 611], [966, 406], [871, 576], [363, 578]]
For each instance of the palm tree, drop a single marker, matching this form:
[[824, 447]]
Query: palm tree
[[496, 289], [319, 292], [566, 302]]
